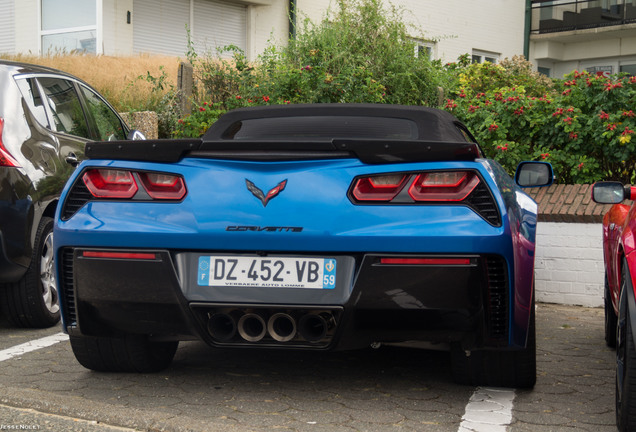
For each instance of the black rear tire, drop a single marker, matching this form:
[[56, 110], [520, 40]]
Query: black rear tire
[[33, 300], [131, 353], [498, 368]]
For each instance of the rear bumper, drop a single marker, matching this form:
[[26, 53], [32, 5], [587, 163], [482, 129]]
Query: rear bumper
[[372, 302]]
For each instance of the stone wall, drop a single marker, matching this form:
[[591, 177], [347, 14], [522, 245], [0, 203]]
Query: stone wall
[[144, 121]]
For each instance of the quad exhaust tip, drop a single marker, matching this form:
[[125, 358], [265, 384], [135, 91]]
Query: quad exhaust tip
[[251, 326]]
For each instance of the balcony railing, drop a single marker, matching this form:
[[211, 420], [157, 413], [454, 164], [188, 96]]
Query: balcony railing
[[562, 15]]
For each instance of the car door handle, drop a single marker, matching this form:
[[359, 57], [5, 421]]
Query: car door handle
[[72, 160]]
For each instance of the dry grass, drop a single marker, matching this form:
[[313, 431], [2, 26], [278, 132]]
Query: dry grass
[[115, 77]]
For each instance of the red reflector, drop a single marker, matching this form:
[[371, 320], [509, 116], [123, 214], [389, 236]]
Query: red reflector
[[120, 255], [426, 261], [6, 160], [443, 186], [163, 186], [108, 183], [379, 188]]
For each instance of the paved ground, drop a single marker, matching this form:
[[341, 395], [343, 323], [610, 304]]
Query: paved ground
[[391, 389]]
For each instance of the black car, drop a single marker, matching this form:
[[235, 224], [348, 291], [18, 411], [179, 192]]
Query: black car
[[46, 117]]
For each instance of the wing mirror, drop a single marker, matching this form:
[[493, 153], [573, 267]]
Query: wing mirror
[[534, 174], [612, 192], [135, 135]]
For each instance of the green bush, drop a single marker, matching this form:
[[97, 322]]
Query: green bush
[[363, 52]]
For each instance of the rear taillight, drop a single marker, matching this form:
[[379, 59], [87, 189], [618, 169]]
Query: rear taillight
[[108, 183], [379, 188], [6, 160], [163, 186], [435, 186], [443, 186], [124, 184]]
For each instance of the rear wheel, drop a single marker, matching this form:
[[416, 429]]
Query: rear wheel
[[33, 300], [131, 353], [498, 368], [610, 318], [625, 361]]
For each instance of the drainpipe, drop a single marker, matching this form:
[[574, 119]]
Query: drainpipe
[[292, 19], [526, 33]]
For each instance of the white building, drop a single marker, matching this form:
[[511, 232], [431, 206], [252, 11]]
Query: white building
[[486, 29], [598, 36]]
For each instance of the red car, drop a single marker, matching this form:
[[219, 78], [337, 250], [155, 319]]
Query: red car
[[619, 250]]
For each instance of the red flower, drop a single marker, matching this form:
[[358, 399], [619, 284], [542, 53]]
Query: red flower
[[473, 108], [545, 155], [201, 109], [632, 79], [611, 127], [627, 131], [573, 135], [580, 166], [629, 113], [566, 92], [603, 115], [180, 121], [568, 120], [493, 127], [450, 104], [265, 98], [557, 112], [519, 111], [239, 97]]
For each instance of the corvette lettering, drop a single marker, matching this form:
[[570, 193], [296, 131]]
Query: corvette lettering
[[265, 228]]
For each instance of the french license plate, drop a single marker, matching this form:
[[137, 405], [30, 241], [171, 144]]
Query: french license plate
[[269, 272]]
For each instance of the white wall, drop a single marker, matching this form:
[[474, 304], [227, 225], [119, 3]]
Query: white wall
[[569, 263]]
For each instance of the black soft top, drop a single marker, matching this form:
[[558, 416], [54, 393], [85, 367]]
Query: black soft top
[[333, 121], [373, 133]]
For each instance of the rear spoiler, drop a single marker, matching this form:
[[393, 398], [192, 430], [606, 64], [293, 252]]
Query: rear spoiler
[[366, 150]]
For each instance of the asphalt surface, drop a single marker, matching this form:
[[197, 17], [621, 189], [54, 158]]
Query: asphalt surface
[[390, 389]]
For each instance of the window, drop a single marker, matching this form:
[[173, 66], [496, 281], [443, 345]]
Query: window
[[544, 71], [484, 56], [629, 68], [424, 49], [102, 117], [31, 94], [69, 26], [66, 109]]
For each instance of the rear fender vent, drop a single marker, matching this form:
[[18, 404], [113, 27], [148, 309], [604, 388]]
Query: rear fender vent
[[75, 200], [497, 299], [482, 201], [67, 288]]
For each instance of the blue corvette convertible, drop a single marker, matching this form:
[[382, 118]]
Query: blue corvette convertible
[[312, 227]]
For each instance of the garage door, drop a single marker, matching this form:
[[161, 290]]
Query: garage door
[[160, 25], [7, 31]]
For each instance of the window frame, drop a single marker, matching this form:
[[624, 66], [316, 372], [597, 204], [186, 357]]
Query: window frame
[[87, 114], [97, 28]]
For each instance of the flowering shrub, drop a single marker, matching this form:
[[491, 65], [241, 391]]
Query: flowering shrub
[[583, 126]]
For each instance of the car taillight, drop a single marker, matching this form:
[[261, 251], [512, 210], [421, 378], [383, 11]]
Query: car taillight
[[6, 160], [434, 186], [379, 188], [124, 184], [108, 183], [163, 186], [443, 186]]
